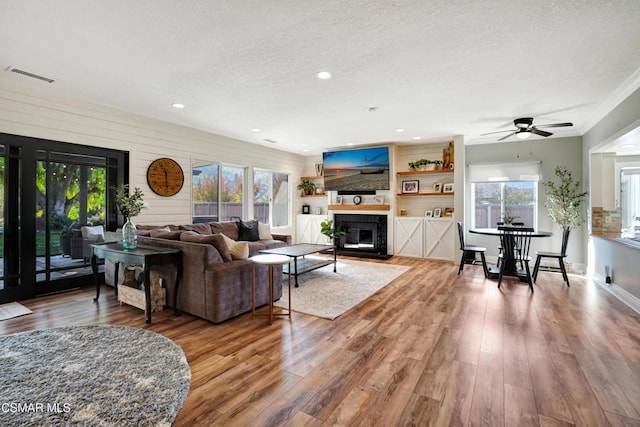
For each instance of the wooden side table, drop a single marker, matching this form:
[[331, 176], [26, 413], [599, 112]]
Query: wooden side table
[[270, 260], [145, 255]]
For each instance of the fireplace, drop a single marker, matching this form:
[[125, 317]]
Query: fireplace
[[365, 235]]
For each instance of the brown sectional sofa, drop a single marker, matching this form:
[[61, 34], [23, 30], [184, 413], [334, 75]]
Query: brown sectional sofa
[[210, 287]]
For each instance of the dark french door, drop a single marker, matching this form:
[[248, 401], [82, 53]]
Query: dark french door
[[48, 190]]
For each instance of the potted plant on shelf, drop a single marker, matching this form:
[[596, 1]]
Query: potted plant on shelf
[[425, 164], [564, 201], [307, 186], [129, 205]]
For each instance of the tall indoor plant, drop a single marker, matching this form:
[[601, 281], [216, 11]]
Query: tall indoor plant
[[565, 200], [129, 205]]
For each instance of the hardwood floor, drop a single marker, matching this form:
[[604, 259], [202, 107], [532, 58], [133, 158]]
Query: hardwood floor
[[432, 348]]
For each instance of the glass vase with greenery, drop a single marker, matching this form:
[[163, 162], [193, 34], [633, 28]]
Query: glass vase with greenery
[[328, 229], [129, 205]]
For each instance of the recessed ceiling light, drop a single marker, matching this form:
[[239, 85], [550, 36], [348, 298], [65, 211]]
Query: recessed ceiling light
[[399, 130], [417, 138], [305, 150], [255, 130], [305, 145], [350, 144], [323, 75], [177, 105]]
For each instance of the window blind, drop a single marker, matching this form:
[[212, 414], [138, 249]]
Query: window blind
[[501, 172]]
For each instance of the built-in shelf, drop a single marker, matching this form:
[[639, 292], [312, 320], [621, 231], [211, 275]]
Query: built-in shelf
[[315, 195], [312, 177], [423, 194], [424, 172], [358, 207]]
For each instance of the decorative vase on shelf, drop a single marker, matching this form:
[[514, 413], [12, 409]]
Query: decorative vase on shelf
[[129, 236]]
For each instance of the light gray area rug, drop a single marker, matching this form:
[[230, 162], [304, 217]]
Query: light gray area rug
[[13, 309], [326, 294], [91, 375]]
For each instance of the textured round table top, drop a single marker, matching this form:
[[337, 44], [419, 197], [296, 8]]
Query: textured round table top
[[270, 259]]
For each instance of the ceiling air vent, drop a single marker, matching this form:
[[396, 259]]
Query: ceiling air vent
[[270, 141], [28, 74]]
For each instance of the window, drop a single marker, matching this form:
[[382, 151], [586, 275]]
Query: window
[[218, 192], [271, 198], [504, 190], [494, 201]]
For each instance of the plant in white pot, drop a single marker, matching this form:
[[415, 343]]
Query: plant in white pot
[[129, 205]]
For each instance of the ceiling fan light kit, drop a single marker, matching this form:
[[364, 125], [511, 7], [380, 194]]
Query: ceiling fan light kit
[[524, 129]]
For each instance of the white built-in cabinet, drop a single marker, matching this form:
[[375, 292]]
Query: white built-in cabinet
[[308, 229], [604, 192], [421, 237]]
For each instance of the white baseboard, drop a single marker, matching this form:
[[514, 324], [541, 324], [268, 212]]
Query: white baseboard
[[630, 300]]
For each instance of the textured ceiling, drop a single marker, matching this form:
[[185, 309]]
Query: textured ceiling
[[433, 68]]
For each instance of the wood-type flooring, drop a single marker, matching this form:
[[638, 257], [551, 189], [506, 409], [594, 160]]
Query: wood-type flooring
[[431, 348]]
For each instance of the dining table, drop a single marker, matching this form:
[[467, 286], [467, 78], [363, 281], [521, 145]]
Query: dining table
[[510, 267]]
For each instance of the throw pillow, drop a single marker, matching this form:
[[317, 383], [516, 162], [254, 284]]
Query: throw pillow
[[228, 228], [215, 240], [248, 231], [239, 250], [264, 231], [92, 233]]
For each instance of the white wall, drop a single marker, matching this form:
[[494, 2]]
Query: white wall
[[34, 114], [550, 152]]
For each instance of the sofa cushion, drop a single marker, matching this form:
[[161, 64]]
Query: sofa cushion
[[162, 234], [255, 247], [271, 244], [229, 229], [248, 230], [264, 231], [239, 250], [198, 228], [215, 240]]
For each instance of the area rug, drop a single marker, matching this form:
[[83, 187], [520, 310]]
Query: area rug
[[91, 375], [326, 294], [13, 309]]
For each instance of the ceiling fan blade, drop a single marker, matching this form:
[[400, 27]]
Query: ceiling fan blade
[[498, 131], [540, 132], [505, 137], [555, 125]]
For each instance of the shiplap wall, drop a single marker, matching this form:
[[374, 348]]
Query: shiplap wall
[[29, 113]]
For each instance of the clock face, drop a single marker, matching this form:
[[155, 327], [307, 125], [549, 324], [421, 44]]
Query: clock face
[[165, 177], [357, 200]]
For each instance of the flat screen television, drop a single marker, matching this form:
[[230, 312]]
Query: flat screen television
[[359, 171]]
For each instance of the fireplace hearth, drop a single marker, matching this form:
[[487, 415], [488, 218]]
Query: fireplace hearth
[[365, 235]]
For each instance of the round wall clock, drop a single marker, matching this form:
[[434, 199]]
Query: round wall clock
[[165, 176], [357, 200]]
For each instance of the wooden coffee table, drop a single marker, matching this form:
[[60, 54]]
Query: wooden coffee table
[[303, 265]]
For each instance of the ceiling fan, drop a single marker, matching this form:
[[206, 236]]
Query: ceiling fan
[[524, 129]]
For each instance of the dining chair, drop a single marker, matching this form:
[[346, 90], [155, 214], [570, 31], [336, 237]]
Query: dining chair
[[515, 242], [469, 252], [560, 256], [500, 223]]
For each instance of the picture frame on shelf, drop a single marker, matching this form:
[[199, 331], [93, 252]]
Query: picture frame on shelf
[[410, 186], [319, 191], [448, 188], [403, 212], [338, 200], [437, 212], [379, 199], [448, 212], [437, 187], [428, 214]]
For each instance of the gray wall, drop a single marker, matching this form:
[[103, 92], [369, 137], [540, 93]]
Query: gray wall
[[550, 152], [622, 259]]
